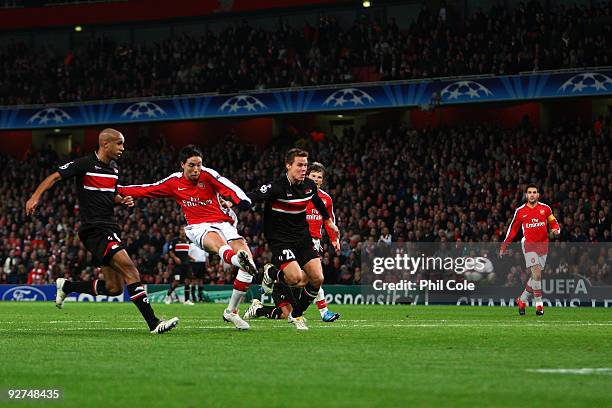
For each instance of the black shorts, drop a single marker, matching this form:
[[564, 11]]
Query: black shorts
[[198, 269], [102, 241], [302, 252], [283, 295], [182, 272]]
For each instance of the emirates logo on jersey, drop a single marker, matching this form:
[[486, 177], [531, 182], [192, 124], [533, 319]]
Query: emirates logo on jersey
[[535, 223]]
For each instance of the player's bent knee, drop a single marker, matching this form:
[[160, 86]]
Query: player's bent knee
[[316, 281]]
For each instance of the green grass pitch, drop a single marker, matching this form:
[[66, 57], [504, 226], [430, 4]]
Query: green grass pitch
[[101, 355]]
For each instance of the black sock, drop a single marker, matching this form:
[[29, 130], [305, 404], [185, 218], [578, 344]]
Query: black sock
[[308, 294], [170, 290], [86, 287], [139, 297], [193, 294], [270, 312], [187, 293], [201, 292]]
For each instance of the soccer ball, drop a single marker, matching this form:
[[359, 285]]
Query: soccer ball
[[482, 269]]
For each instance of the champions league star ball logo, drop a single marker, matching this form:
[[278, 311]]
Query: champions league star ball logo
[[349, 96], [50, 115], [242, 102], [589, 80], [145, 109], [461, 89]]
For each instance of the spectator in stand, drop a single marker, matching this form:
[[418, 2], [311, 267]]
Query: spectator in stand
[[436, 184], [241, 57]]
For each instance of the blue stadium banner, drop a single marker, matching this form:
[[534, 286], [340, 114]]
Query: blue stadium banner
[[44, 293], [396, 94]]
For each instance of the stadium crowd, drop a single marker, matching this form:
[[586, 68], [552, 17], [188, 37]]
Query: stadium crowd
[[392, 185], [437, 44]]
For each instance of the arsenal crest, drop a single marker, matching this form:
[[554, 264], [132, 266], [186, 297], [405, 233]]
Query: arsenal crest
[[201, 185], [542, 212]]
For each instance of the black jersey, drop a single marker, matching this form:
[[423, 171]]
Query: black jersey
[[96, 184], [285, 209], [180, 247]]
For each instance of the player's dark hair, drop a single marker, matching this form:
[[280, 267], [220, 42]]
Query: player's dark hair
[[531, 185], [316, 166], [189, 151], [293, 153]]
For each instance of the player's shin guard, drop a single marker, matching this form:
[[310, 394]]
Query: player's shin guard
[[320, 301], [229, 256], [95, 287], [537, 292], [138, 296], [241, 285], [309, 293], [270, 312], [528, 291]]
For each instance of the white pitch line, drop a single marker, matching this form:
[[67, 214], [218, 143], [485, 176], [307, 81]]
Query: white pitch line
[[335, 325], [580, 371]]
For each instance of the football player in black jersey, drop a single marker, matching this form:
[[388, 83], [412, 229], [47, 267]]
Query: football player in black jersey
[[296, 262], [96, 178]]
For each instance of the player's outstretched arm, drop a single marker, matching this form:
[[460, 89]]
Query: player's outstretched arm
[[46, 184], [159, 189]]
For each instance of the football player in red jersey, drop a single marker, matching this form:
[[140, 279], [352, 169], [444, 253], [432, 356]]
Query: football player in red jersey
[[534, 218], [199, 191], [316, 172]]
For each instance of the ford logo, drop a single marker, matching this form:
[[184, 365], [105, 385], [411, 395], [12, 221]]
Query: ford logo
[[24, 294]]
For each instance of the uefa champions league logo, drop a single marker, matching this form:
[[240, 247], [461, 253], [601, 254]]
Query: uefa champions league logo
[[145, 109], [50, 116], [238, 103], [349, 96], [463, 89], [588, 80]]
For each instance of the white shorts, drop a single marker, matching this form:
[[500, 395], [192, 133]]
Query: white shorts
[[196, 232], [533, 259]]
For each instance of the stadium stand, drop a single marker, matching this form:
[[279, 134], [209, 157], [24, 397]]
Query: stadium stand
[[242, 57], [444, 184]]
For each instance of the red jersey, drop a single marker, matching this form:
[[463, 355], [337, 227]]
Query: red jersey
[[199, 200], [315, 219], [534, 222], [36, 276]]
